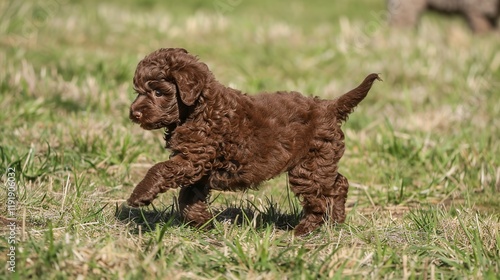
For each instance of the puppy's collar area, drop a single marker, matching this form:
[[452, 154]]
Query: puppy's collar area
[[184, 109], [168, 133], [169, 130]]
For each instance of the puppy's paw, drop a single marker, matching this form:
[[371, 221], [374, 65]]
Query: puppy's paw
[[302, 230], [308, 224], [138, 200]]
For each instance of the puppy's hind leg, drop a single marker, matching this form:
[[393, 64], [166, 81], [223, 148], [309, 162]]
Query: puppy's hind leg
[[305, 186], [316, 180], [336, 198]]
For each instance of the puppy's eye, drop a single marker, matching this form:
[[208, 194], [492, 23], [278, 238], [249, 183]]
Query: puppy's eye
[[158, 93]]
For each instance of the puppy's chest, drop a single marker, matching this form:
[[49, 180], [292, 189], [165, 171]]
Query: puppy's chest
[[225, 174], [230, 157]]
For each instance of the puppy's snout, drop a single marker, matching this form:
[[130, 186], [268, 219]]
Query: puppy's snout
[[135, 115]]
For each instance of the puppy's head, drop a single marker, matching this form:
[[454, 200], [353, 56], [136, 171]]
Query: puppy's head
[[167, 82]]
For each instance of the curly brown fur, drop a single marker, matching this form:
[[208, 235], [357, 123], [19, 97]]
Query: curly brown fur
[[224, 140], [482, 15]]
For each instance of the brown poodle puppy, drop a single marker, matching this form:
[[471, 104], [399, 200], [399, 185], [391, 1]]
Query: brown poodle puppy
[[224, 140]]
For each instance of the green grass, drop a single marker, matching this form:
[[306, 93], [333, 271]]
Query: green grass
[[422, 148]]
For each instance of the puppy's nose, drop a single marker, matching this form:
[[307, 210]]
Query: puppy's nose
[[136, 115]]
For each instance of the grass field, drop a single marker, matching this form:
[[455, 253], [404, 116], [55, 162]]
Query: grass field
[[423, 152]]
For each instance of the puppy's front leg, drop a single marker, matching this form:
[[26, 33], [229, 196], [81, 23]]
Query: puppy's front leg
[[162, 176]]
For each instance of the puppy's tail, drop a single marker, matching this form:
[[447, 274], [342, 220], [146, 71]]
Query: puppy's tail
[[345, 104]]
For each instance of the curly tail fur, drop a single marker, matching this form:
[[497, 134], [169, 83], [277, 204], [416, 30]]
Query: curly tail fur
[[345, 104]]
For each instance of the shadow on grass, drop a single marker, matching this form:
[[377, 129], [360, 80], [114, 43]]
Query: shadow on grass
[[150, 217]]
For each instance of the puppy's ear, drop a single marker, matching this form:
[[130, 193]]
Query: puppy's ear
[[190, 81]]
